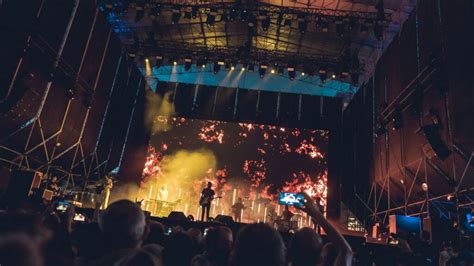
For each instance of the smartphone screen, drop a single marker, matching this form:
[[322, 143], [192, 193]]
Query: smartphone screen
[[62, 206], [292, 199], [78, 217]]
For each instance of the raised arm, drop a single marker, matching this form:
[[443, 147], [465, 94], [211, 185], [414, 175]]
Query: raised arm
[[344, 256]]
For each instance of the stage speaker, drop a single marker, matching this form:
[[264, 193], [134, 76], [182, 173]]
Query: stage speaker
[[18, 187], [225, 219], [177, 216], [435, 144]]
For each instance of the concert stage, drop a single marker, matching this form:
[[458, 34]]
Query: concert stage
[[245, 163]]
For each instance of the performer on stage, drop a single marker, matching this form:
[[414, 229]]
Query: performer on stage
[[163, 193], [237, 209], [207, 195]]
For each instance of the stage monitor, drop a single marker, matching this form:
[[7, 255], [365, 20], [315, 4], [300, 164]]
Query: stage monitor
[[246, 163]]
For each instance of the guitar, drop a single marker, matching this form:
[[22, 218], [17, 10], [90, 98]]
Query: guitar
[[207, 200]]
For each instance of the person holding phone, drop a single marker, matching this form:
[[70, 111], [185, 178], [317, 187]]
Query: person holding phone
[[345, 254]]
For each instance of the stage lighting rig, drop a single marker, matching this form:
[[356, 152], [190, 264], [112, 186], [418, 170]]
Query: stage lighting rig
[[263, 69], [176, 14]]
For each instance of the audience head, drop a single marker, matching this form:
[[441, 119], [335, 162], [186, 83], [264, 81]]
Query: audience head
[[87, 241], [142, 258], [258, 244], [178, 250], [122, 225], [209, 184], [328, 254], [17, 249], [156, 233], [305, 247], [219, 242], [200, 260]]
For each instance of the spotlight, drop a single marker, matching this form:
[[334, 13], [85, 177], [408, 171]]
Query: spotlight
[[147, 61], [242, 69], [188, 61], [202, 62], [244, 14], [266, 23], [424, 186], [333, 76], [323, 75], [302, 73], [263, 69], [232, 67], [251, 67], [176, 15], [291, 72], [272, 71], [211, 17], [175, 63]]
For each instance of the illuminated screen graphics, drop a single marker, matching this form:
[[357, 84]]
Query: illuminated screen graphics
[[250, 162]]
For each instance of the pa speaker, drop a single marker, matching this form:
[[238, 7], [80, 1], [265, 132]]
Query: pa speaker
[[177, 216], [225, 219], [436, 144]]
